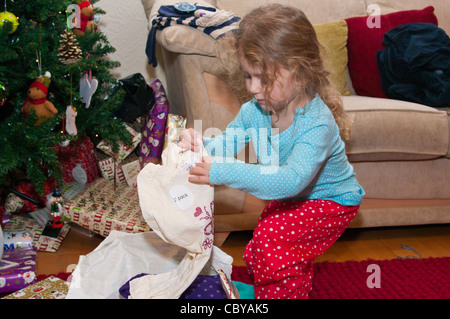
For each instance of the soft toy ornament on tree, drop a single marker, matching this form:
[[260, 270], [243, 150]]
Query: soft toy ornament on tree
[[37, 100], [86, 18]]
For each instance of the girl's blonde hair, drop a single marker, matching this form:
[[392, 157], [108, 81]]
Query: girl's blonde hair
[[277, 35]]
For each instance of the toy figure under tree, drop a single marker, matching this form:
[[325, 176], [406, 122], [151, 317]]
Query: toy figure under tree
[[36, 39]]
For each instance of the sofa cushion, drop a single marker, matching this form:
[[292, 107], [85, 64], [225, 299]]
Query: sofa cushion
[[441, 9], [333, 37], [364, 40], [389, 130], [318, 11]]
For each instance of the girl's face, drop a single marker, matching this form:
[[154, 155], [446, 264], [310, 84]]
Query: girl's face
[[284, 91]]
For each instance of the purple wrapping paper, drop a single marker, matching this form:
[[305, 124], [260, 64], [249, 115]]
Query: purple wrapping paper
[[19, 276], [203, 287], [152, 142]]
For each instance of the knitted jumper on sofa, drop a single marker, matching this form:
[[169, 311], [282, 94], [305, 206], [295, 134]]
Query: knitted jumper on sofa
[[205, 19]]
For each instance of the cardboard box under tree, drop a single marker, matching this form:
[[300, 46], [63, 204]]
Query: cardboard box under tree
[[104, 206]]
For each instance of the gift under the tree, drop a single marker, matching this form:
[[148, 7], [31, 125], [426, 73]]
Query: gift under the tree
[[17, 269], [124, 150], [28, 190], [104, 206], [125, 171], [175, 124], [19, 223], [78, 161], [152, 143], [51, 287]]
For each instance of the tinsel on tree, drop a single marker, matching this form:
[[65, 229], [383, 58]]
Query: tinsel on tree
[[35, 47]]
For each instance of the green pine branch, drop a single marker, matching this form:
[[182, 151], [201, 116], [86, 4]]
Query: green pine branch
[[30, 148]]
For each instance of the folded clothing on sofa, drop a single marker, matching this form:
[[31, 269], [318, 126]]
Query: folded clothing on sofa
[[415, 64], [209, 20]]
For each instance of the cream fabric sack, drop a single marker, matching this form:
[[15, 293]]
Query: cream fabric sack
[[121, 256], [181, 213]]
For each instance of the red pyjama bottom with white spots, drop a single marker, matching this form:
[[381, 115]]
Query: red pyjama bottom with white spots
[[287, 239]]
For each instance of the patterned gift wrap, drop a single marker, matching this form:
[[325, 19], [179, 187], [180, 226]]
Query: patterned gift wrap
[[20, 275], [42, 243], [102, 208], [124, 150], [152, 143], [126, 171], [77, 159], [49, 288], [175, 124]]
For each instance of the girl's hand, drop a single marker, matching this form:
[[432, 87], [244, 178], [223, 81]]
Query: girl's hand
[[190, 140], [200, 172]]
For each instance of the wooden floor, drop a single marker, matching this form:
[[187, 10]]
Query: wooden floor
[[369, 243], [355, 244]]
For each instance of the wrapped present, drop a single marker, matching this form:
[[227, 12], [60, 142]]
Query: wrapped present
[[107, 169], [124, 150], [152, 143], [41, 242], [28, 190], [2, 217], [17, 269], [13, 203], [17, 239], [125, 172], [50, 288], [131, 170], [101, 208], [78, 161], [175, 124], [44, 215]]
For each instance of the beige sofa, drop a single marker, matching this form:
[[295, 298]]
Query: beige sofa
[[399, 150]]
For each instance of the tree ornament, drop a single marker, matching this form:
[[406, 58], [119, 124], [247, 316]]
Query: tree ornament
[[71, 115], [86, 18], [37, 100], [7, 17], [2, 94], [88, 86], [69, 52], [56, 208], [79, 174], [69, 124]]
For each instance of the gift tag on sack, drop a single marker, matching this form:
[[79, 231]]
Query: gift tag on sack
[[181, 213]]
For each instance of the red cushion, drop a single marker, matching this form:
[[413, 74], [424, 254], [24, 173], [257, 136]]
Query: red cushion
[[364, 42]]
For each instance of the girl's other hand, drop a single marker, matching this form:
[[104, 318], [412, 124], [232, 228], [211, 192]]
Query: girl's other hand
[[190, 140]]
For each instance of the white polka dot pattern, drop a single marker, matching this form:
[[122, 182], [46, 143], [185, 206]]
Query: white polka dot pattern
[[306, 161]]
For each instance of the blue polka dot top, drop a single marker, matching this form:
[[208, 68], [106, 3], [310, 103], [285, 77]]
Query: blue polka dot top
[[305, 161]]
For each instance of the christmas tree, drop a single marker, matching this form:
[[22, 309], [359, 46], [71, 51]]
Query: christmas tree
[[36, 38]]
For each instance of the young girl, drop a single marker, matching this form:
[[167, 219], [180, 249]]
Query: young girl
[[296, 121]]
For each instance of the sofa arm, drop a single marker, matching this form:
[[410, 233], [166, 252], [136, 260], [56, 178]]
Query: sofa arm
[[180, 38], [186, 40]]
